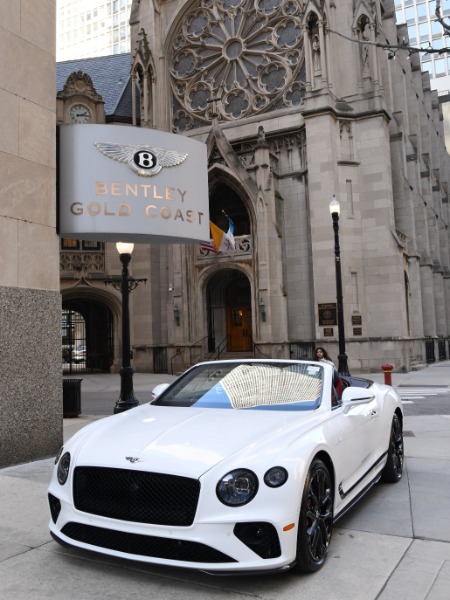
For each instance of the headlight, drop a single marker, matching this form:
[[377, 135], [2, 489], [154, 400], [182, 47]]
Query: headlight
[[237, 487], [276, 477], [63, 468]]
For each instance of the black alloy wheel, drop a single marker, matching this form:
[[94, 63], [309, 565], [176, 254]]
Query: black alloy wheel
[[316, 519], [393, 469]]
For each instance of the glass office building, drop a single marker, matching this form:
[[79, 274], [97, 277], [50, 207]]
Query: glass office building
[[424, 30], [88, 28]]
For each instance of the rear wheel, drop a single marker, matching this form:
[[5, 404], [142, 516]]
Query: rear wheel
[[393, 469], [316, 519]]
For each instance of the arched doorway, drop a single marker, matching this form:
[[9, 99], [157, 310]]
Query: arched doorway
[[87, 336], [229, 312]]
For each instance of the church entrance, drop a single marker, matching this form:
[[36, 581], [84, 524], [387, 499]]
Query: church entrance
[[229, 312], [239, 328]]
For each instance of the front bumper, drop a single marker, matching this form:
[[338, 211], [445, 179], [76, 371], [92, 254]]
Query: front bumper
[[226, 547]]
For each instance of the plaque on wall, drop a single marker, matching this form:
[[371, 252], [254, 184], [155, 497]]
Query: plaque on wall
[[357, 330], [356, 320], [328, 332], [327, 314]]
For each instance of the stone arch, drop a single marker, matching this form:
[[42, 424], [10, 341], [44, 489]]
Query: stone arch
[[220, 180], [365, 31], [316, 42], [143, 82], [228, 293], [101, 312]]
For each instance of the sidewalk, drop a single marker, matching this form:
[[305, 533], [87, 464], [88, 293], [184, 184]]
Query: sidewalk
[[394, 545]]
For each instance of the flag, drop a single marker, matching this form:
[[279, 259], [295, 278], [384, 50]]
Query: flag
[[209, 247], [224, 242]]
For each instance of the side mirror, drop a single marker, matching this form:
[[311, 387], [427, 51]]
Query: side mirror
[[159, 389], [353, 396]]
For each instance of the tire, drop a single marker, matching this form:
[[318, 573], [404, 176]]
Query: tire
[[393, 469], [315, 522]]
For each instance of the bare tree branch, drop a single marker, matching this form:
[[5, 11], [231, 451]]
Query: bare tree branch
[[445, 25], [393, 48]]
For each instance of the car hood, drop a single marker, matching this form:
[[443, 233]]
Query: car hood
[[186, 441]]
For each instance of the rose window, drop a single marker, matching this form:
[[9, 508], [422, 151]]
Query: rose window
[[236, 58]]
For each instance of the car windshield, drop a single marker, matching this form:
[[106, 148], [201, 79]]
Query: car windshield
[[252, 385]]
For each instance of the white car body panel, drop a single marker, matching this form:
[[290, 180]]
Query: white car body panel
[[205, 444]]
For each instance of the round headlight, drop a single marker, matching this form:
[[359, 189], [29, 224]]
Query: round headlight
[[237, 487], [63, 468], [276, 477]]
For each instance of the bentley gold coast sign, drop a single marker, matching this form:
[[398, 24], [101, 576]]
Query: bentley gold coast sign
[[131, 184]]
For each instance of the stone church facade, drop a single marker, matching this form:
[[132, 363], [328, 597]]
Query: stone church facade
[[295, 102]]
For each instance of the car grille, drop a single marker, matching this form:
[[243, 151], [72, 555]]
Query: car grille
[[144, 545], [136, 496]]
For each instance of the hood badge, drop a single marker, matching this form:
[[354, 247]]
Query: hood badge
[[134, 459]]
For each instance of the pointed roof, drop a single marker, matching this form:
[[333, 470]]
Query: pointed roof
[[111, 79]]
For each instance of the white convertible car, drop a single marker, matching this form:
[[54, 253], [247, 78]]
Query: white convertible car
[[237, 466]]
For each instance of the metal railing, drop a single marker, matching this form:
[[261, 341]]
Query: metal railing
[[429, 351], [219, 349], [181, 351]]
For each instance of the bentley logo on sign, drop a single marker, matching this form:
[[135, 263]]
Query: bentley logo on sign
[[144, 160], [133, 459]]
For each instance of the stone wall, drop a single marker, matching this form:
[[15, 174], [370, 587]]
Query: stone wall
[[30, 304], [30, 367]]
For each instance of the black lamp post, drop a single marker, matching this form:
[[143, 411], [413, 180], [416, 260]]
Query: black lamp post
[[127, 398], [335, 210]]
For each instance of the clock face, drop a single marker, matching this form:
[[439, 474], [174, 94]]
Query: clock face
[[79, 113]]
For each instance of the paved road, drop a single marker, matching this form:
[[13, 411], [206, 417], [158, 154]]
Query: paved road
[[425, 400]]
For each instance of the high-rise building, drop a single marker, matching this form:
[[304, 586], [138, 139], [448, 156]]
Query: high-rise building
[[424, 30], [87, 28]]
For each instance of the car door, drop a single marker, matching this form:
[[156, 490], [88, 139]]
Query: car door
[[353, 439]]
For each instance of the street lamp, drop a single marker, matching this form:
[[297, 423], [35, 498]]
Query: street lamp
[[335, 210], [125, 285]]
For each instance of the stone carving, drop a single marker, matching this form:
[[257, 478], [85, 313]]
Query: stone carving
[[247, 53]]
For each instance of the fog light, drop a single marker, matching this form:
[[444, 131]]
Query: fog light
[[276, 477]]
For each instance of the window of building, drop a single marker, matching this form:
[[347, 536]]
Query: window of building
[[439, 66], [424, 33], [410, 15], [399, 16], [412, 33], [422, 11], [427, 65], [67, 244], [436, 28]]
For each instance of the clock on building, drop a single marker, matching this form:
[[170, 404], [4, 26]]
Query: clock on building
[[80, 113]]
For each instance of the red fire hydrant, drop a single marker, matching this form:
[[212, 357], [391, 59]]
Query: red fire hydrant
[[387, 370]]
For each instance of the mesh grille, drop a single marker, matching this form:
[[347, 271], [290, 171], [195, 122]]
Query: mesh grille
[[144, 545], [136, 496], [262, 538]]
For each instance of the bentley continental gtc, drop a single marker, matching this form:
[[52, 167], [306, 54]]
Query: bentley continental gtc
[[237, 466]]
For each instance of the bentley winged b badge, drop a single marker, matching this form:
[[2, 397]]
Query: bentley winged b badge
[[143, 160]]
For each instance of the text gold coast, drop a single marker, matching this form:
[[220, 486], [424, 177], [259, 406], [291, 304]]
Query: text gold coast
[[146, 192]]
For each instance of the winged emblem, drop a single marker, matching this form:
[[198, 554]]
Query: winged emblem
[[143, 160], [133, 459]]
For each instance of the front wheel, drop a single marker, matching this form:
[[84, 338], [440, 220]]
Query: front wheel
[[393, 469], [316, 519]]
